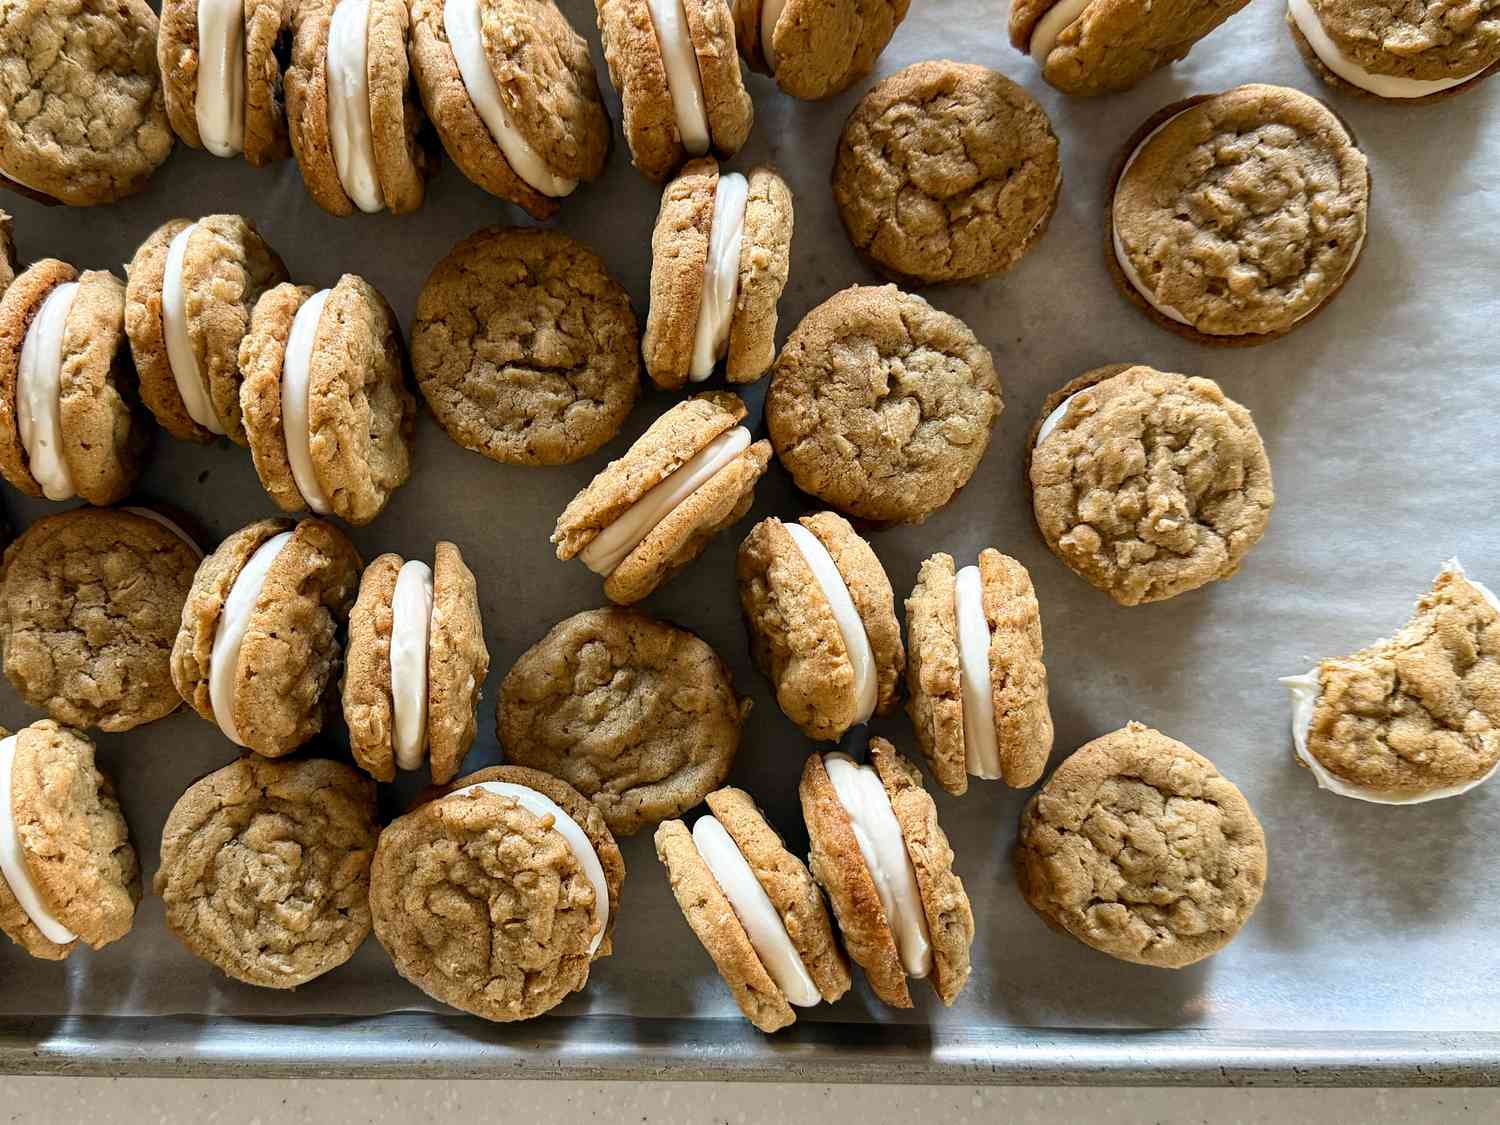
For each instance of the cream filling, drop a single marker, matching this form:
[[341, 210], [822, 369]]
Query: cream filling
[[851, 628], [229, 633], [684, 83], [1382, 85], [296, 374], [220, 106], [180, 356], [349, 127], [1044, 35], [860, 791], [13, 858], [981, 740], [466, 39], [770, 12], [752, 906], [606, 550], [39, 393], [721, 275], [540, 805], [411, 630], [1050, 422], [170, 524]]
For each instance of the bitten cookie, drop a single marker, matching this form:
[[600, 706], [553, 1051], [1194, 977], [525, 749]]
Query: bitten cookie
[[822, 622], [70, 418], [691, 475], [880, 855], [1147, 484], [946, 172], [188, 301], [1412, 718], [755, 909], [1140, 848], [497, 894], [69, 872], [1234, 217], [510, 88], [265, 868], [525, 347], [882, 372], [416, 662], [258, 649], [324, 399], [975, 672], [815, 48]]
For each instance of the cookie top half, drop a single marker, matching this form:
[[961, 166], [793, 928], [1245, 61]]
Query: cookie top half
[[816, 48]]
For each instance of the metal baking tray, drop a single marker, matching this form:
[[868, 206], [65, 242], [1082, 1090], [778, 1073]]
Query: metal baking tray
[[1372, 957]]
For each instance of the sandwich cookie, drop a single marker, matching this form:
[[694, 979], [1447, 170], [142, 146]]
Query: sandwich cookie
[[265, 868], [946, 172], [1148, 484], [188, 300], [676, 66], [1140, 848], [497, 894], [1412, 718], [815, 48], [638, 715], [977, 681], [1236, 216], [720, 255], [351, 111], [70, 419], [510, 88], [324, 399], [258, 649], [415, 665], [691, 475], [878, 852], [755, 909], [822, 622], [525, 348]]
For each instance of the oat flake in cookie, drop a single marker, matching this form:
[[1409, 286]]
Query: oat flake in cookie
[[815, 48]]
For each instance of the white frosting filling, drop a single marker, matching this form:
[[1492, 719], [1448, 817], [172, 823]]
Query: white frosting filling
[[39, 393], [1050, 422], [770, 12], [1050, 26], [860, 791], [540, 805], [721, 275], [170, 524], [13, 859], [462, 27], [981, 740], [851, 628], [296, 372], [180, 356], [220, 106], [411, 629], [755, 911], [349, 128], [684, 83], [606, 550], [229, 633], [1383, 85]]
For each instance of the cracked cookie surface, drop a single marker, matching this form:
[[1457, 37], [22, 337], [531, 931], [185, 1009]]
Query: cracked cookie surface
[[1422, 39]]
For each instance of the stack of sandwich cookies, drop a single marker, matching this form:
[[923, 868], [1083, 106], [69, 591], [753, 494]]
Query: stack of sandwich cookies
[[815, 48], [755, 908], [720, 254], [324, 400], [70, 418], [650, 513], [258, 649], [1413, 718], [415, 664], [878, 852], [190, 292], [822, 622], [69, 871], [497, 894]]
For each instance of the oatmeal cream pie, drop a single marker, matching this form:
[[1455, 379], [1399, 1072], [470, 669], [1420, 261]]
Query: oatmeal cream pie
[[1148, 484], [415, 664], [497, 893], [822, 622], [815, 48], [191, 289], [1236, 216], [1412, 718], [510, 88], [258, 650], [755, 909]]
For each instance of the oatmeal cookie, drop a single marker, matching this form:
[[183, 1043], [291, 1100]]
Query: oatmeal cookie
[[815, 48]]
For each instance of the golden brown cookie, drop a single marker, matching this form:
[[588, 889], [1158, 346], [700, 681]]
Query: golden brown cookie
[[815, 48], [9, 264]]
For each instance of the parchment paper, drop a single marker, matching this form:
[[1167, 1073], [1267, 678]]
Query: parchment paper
[[1380, 420]]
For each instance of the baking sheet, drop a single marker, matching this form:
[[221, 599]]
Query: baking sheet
[[1379, 418]]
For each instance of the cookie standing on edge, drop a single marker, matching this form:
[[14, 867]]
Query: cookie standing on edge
[[815, 48]]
